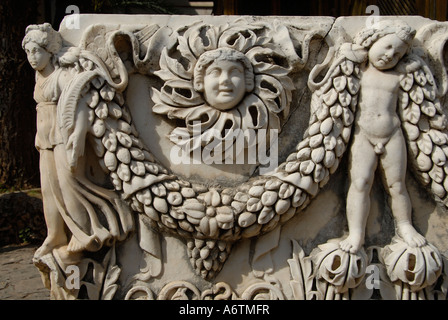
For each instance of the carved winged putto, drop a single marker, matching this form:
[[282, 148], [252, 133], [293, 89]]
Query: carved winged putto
[[377, 99]]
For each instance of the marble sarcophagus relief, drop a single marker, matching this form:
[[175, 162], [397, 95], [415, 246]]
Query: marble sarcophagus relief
[[205, 157]]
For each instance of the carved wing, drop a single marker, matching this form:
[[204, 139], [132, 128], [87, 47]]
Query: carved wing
[[333, 104], [424, 123]]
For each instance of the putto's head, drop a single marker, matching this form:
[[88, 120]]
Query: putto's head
[[40, 43], [224, 76], [386, 43], [367, 37]]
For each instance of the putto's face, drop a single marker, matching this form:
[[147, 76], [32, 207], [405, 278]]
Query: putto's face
[[224, 84], [387, 51], [37, 56]]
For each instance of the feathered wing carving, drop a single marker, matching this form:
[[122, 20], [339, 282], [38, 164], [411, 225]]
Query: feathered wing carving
[[333, 104], [424, 122]]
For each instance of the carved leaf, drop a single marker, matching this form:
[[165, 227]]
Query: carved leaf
[[438, 156], [144, 197], [437, 173], [92, 98], [194, 209], [306, 167], [322, 112], [412, 113], [202, 38], [168, 63], [336, 111], [102, 111], [254, 205], [180, 93], [416, 94], [347, 67], [246, 219], [282, 206], [353, 85], [429, 92], [438, 137], [98, 128], [124, 172], [424, 162], [345, 98], [123, 155], [411, 130], [110, 287], [330, 97], [110, 161], [107, 93], [318, 154], [424, 143], [110, 141], [340, 83], [138, 168], [114, 110], [347, 117], [158, 190], [237, 39], [160, 205], [428, 108], [403, 99], [326, 126], [266, 214], [420, 77], [419, 267], [407, 81], [124, 139], [300, 269], [286, 190], [438, 122]]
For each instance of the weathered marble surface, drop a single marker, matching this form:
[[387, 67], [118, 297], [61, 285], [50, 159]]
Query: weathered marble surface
[[332, 99]]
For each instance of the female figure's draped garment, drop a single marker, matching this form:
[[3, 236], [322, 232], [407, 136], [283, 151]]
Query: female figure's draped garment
[[94, 215]]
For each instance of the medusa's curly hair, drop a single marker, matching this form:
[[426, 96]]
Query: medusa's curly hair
[[209, 57], [367, 37], [45, 36]]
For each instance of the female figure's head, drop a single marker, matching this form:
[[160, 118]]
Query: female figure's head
[[386, 44], [224, 76], [41, 43]]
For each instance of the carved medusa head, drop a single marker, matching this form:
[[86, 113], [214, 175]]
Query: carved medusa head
[[223, 76], [232, 82]]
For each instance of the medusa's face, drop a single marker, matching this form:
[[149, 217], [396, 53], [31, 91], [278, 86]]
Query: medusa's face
[[387, 51], [224, 84], [37, 56]]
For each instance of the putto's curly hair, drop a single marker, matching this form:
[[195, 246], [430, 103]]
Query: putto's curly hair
[[228, 54], [45, 36], [367, 37]]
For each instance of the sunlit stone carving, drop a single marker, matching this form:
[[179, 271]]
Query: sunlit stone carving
[[221, 157]]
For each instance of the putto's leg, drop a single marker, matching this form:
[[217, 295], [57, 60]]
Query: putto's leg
[[362, 166], [394, 163]]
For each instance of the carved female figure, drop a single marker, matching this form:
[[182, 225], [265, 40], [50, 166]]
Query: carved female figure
[[70, 200], [378, 139]]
